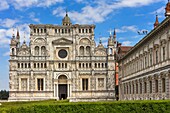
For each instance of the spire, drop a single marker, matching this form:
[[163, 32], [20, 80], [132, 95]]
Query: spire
[[18, 36], [13, 36], [167, 9], [114, 34], [156, 22], [24, 38]]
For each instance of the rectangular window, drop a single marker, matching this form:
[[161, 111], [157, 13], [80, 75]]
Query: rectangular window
[[163, 84], [151, 59], [145, 62], [145, 85], [85, 84], [136, 88], [24, 84], [150, 84], [40, 84], [156, 86], [163, 52], [140, 88], [156, 56]]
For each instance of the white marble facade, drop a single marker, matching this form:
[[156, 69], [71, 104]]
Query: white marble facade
[[61, 62]]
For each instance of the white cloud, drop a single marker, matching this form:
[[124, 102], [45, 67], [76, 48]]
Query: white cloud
[[127, 43], [123, 29], [8, 23], [7, 53], [161, 10], [6, 35], [19, 4], [33, 18], [134, 3], [3, 5], [98, 11], [4, 38]]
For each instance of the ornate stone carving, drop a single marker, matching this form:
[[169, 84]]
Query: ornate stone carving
[[61, 41], [84, 41], [100, 53], [39, 41]]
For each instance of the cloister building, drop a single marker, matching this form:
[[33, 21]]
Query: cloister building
[[144, 71]]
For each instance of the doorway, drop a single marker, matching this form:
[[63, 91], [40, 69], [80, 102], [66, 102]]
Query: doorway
[[62, 91]]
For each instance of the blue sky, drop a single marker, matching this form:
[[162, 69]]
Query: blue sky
[[127, 16]]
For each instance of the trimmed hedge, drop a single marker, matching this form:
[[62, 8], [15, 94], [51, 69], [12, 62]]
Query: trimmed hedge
[[92, 107]]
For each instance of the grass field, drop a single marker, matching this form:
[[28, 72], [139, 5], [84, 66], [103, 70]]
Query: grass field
[[64, 106]]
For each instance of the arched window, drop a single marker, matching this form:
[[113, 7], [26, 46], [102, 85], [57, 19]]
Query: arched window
[[45, 30], [89, 65], [59, 65], [105, 65], [45, 65], [65, 65], [13, 51], [41, 65], [62, 65], [86, 65], [36, 50], [43, 50], [41, 30], [38, 65], [98, 65], [83, 65], [88, 50], [82, 50], [34, 30], [102, 65], [29, 66], [22, 65], [25, 65], [95, 65], [18, 65], [34, 65]]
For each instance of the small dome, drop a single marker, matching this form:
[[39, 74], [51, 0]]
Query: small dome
[[24, 45], [100, 45], [66, 20]]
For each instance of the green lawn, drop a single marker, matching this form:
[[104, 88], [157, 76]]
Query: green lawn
[[52, 106]]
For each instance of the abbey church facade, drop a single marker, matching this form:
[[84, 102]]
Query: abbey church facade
[[62, 62]]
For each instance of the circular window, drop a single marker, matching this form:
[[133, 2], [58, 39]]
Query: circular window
[[62, 53]]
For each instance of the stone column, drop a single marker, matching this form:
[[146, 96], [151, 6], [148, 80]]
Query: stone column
[[167, 86], [68, 90]]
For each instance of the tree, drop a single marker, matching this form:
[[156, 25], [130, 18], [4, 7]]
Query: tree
[[4, 95]]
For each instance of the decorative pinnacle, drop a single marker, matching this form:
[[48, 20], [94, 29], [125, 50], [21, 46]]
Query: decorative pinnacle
[[100, 41], [24, 37], [17, 32], [114, 34], [13, 33], [66, 12]]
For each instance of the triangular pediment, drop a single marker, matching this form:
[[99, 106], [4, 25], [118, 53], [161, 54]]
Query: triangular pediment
[[61, 41]]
